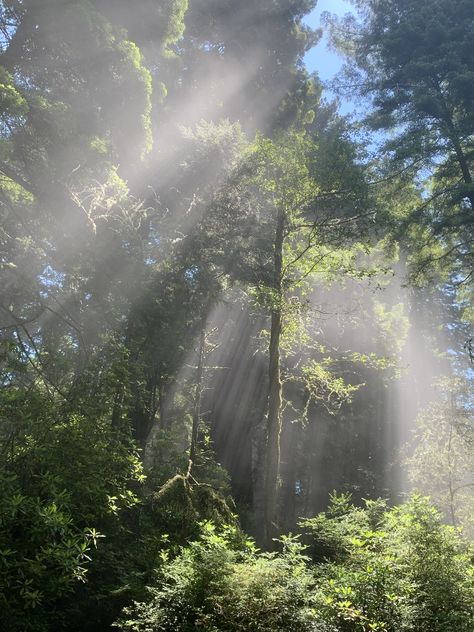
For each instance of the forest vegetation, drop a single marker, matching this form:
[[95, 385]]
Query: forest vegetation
[[236, 326]]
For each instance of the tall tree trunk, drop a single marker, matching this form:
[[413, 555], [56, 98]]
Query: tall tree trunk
[[272, 452], [197, 398]]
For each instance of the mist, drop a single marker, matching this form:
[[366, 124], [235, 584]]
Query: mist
[[124, 242], [235, 300]]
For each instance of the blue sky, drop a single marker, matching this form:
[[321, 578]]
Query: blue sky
[[325, 62], [322, 60]]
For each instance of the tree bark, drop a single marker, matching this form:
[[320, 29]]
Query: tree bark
[[272, 452], [197, 398]]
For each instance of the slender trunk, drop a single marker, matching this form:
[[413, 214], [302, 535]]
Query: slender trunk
[[167, 391], [272, 452], [452, 493], [197, 398], [141, 395]]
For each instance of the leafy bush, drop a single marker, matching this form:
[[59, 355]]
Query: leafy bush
[[66, 485], [220, 582], [397, 570], [43, 554], [378, 569], [70, 481]]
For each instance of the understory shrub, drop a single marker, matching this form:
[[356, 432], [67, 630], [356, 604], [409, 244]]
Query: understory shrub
[[397, 570], [67, 497], [222, 583], [374, 568]]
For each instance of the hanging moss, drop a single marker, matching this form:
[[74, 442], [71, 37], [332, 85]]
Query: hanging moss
[[182, 503]]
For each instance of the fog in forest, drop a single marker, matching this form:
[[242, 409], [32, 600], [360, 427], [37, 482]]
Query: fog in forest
[[236, 304]]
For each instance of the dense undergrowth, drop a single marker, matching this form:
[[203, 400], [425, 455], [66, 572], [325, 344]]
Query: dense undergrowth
[[85, 544], [363, 569], [221, 299]]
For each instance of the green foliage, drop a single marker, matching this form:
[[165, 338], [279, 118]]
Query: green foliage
[[394, 324], [377, 568], [332, 533], [69, 483], [412, 61], [13, 106], [43, 552], [126, 217], [391, 569], [220, 582], [245, 61], [182, 503]]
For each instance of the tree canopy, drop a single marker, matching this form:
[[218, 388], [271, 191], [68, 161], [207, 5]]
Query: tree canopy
[[229, 314]]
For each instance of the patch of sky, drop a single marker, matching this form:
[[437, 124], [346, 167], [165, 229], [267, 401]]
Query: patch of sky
[[327, 63], [191, 273], [7, 34], [52, 278], [321, 59], [26, 345]]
